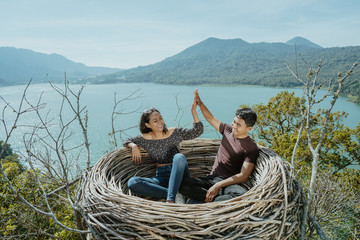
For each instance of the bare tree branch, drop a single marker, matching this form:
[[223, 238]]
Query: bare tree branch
[[317, 226], [44, 126], [18, 114], [118, 112], [311, 87]]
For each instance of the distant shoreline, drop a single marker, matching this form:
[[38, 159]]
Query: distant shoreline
[[351, 98]]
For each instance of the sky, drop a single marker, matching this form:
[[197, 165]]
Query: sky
[[126, 34]]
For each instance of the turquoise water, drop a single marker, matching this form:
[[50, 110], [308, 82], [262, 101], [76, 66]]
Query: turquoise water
[[173, 101]]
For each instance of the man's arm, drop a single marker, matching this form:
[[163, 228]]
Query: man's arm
[[205, 111], [241, 177]]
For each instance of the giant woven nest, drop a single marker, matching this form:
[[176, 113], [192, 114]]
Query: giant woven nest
[[271, 208]]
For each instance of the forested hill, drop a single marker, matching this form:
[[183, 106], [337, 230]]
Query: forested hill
[[18, 66], [234, 61]]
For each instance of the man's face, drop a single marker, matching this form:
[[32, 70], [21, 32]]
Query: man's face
[[240, 130]]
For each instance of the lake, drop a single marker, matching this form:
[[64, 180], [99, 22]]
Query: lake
[[173, 102]]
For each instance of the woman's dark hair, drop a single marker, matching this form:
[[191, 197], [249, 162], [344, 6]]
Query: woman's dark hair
[[145, 118], [248, 115]]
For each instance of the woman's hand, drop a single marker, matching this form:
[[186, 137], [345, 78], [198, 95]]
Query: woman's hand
[[193, 108], [136, 155]]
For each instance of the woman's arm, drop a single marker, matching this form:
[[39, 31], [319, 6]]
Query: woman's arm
[[194, 112], [196, 130], [136, 155], [130, 143]]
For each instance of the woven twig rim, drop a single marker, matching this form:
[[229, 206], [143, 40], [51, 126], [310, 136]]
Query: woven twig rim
[[269, 210]]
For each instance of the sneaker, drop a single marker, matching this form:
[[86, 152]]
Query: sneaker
[[179, 198]]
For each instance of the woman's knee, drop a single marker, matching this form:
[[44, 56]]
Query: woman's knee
[[179, 158], [132, 182]]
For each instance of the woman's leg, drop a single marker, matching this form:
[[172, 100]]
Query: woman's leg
[[147, 187], [152, 187], [179, 171]]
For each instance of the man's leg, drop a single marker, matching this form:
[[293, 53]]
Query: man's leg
[[230, 192], [196, 188]]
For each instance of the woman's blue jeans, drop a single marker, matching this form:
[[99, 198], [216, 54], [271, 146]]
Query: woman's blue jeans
[[166, 182]]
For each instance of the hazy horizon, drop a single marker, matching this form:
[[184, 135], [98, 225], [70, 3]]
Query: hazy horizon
[[125, 34]]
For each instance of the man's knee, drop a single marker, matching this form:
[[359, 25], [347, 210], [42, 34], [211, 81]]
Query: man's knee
[[235, 190], [230, 192], [185, 182], [186, 185]]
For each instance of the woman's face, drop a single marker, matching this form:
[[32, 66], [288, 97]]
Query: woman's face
[[156, 122]]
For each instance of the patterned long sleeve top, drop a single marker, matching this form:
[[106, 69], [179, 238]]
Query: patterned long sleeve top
[[163, 150]]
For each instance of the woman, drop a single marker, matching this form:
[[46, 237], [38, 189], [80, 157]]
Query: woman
[[162, 144]]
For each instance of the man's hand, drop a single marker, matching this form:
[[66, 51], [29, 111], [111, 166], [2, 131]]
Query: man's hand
[[205, 111], [212, 193], [197, 97]]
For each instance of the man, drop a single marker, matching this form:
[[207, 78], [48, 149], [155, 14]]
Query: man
[[234, 162]]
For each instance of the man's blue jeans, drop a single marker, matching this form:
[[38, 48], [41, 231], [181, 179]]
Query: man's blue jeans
[[166, 182]]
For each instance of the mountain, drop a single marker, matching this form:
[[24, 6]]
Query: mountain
[[18, 66], [235, 61], [300, 41], [212, 61]]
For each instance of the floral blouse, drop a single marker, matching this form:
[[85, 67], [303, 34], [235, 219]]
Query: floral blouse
[[163, 150]]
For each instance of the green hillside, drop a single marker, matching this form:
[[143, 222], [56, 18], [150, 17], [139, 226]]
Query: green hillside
[[217, 61]]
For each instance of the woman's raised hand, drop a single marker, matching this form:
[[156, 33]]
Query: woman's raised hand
[[193, 108]]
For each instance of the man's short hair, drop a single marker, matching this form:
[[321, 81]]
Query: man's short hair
[[248, 115]]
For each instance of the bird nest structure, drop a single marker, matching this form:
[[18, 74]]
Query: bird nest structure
[[270, 209]]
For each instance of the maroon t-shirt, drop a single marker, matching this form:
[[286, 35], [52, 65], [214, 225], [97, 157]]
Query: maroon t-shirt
[[233, 152]]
